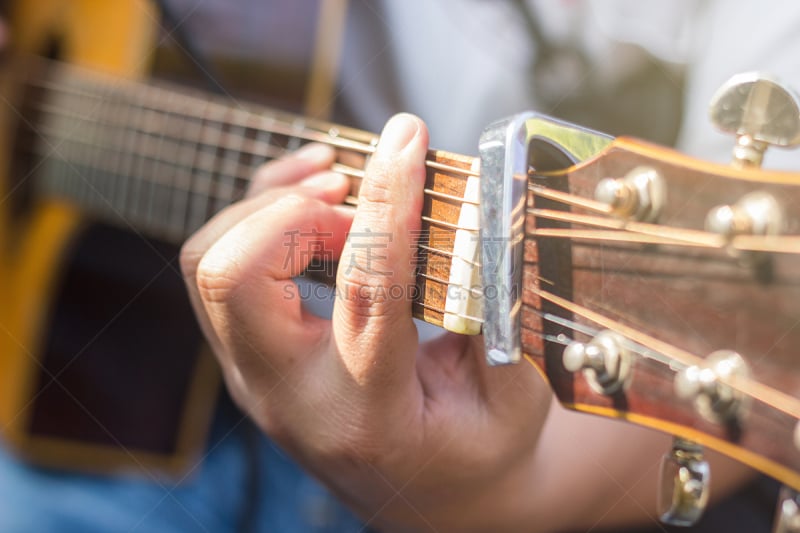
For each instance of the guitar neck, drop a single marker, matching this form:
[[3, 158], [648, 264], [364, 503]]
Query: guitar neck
[[162, 161]]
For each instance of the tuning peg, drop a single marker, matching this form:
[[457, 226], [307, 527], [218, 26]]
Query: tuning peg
[[760, 112], [604, 360], [684, 484], [640, 195], [756, 213], [705, 385], [787, 514]]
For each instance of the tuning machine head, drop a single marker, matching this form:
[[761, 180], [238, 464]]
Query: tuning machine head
[[684, 484], [760, 111], [756, 213], [640, 195], [605, 361], [707, 388]]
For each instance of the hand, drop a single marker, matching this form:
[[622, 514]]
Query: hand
[[410, 434]]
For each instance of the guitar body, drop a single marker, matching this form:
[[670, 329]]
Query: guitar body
[[100, 357]]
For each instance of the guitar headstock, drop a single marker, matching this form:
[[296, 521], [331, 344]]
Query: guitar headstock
[[665, 290]]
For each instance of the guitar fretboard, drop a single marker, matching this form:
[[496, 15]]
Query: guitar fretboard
[[162, 161]]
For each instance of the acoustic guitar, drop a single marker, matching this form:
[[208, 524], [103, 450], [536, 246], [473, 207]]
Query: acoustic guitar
[[655, 288]]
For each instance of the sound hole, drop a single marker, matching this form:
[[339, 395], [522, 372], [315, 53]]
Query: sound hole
[[121, 346]]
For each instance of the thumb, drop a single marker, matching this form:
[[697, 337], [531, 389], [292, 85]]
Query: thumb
[[372, 320]]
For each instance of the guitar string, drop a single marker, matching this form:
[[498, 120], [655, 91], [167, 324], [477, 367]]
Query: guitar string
[[357, 173], [627, 231], [692, 238], [272, 151], [608, 236], [634, 232], [569, 199], [649, 348], [473, 291], [774, 398], [659, 234], [142, 97], [266, 150], [276, 152], [266, 121], [643, 233], [111, 169], [353, 201], [591, 332], [750, 388], [563, 340], [444, 312], [291, 130]]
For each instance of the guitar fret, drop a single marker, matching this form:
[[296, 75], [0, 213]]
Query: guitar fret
[[101, 182], [146, 126], [115, 139], [146, 174], [61, 150], [298, 127], [153, 175], [77, 150], [137, 184], [131, 138], [183, 182], [55, 177], [264, 138], [202, 187], [231, 165], [158, 209]]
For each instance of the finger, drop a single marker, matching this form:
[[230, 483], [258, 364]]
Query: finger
[[372, 320], [291, 168], [244, 281], [328, 187]]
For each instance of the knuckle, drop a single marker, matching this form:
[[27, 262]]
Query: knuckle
[[378, 188], [364, 293], [217, 278]]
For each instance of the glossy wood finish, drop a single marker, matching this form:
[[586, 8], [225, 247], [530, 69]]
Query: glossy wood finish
[[681, 301]]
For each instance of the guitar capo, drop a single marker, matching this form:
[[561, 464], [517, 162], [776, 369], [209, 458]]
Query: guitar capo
[[509, 150]]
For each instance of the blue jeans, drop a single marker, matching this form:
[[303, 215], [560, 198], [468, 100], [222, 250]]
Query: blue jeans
[[244, 483]]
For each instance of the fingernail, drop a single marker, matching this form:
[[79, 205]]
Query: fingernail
[[314, 152], [326, 180], [398, 132]]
